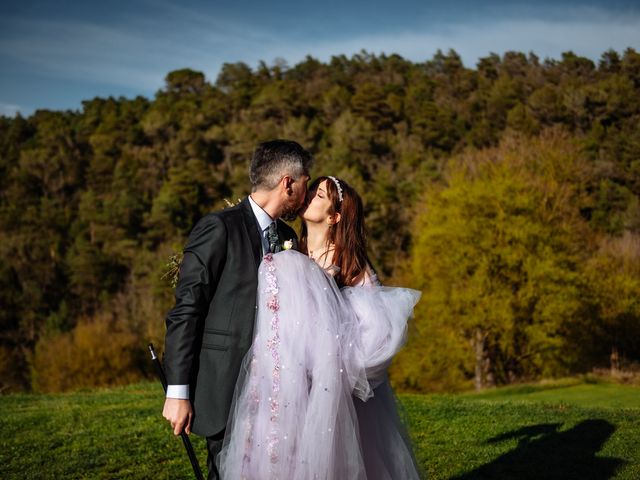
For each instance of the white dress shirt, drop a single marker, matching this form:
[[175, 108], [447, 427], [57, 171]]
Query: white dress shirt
[[264, 220]]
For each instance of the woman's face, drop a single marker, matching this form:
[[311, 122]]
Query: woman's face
[[318, 208]]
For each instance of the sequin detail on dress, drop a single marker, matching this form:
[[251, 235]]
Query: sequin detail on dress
[[273, 344]]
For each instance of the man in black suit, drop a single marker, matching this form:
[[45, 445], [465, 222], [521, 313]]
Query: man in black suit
[[210, 328]]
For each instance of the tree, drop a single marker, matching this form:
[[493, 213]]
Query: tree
[[496, 253], [185, 82], [99, 199], [613, 273]]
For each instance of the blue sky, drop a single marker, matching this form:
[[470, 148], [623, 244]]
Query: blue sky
[[54, 54]]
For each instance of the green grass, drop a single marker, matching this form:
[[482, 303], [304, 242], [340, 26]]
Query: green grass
[[556, 430], [559, 430], [571, 391]]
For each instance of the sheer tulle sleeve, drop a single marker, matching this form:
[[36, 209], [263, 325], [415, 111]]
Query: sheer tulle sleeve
[[382, 313], [369, 279]]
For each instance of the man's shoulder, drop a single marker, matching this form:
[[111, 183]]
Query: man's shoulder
[[217, 221], [226, 215], [214, 227]]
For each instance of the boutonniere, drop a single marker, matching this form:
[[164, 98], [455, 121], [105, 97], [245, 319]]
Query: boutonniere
[[288, 244]]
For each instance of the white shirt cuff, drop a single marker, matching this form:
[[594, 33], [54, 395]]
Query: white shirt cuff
[[178, 391]]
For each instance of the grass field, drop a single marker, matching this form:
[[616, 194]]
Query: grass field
[[558, 430]]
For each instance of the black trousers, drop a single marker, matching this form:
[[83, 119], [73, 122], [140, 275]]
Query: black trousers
[[214, 445]]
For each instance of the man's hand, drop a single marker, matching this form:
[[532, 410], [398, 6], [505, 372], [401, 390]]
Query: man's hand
[[179, 413]]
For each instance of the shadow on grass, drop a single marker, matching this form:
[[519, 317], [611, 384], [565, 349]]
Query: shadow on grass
[[545, 453]]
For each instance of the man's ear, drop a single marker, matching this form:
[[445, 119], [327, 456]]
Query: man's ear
[[287, 184]]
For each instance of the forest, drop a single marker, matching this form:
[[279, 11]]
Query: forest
[[508, 193]]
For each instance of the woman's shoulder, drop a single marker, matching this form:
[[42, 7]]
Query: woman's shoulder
[[368, 279]]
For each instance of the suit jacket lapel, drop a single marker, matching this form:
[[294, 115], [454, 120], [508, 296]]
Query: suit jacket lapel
[[251, 224]]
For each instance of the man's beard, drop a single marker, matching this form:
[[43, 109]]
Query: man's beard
[[289, 215], [291, 212]]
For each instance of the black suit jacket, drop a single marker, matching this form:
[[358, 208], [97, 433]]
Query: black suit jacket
[[210, 328]]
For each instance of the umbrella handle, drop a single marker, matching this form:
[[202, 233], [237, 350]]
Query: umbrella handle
[[185, 438]]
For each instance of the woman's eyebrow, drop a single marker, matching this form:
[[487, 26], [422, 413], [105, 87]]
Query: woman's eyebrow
[[322, 190]]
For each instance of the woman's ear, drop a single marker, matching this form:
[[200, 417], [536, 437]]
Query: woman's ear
[[335, 218]]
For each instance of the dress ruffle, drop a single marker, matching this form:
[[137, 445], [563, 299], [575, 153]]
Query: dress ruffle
[[293, 414]]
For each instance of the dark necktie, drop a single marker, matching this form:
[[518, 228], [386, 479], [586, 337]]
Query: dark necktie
[[272, 237]]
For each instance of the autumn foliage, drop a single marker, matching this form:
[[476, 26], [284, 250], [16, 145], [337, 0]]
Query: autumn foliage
[[507, 192]]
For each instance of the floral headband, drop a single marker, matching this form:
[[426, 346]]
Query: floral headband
[[338, 186]]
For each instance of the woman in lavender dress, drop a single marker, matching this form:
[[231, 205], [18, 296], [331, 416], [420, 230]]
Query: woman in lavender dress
[[313, 400]]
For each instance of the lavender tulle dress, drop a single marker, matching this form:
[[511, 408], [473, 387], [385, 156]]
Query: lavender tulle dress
[[315, 348]]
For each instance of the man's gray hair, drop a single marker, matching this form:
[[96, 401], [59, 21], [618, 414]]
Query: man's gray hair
[[274, 159]]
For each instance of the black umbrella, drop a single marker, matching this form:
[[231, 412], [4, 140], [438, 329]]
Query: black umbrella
[[183, 435]]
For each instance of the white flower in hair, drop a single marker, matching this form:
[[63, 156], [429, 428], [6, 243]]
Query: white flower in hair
[[338, 186]]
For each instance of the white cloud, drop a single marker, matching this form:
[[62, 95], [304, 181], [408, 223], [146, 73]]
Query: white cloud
[[587, 37], [9, 110], [138, 55], [89, 52]]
